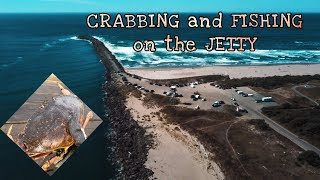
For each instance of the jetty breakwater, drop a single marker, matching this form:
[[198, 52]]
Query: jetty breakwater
[[130, 144]]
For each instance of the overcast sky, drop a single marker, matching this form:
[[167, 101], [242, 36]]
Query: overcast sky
[[159, 6]]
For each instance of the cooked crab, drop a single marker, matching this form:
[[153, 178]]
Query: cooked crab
[[51, 131]]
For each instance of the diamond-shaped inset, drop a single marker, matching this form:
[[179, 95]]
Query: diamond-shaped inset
[[51, 124]]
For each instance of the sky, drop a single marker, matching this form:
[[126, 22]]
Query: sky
[[40, 6]]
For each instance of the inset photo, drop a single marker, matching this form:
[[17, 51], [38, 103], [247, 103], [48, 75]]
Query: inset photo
[[51, 124]]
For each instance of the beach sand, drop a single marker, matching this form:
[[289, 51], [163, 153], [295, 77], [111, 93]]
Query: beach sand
[[232, 71], [176, 154]]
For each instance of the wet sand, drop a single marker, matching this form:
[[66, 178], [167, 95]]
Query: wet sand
[[232, 71]]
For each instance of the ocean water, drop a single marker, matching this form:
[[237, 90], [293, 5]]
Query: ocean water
[[29, 52], [33, 46], [274, 46]]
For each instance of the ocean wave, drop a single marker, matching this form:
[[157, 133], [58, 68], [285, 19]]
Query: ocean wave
[[13, 62], [238, 45], [129, 58], [51, 44], [225, 60], [68, 38], [124, 51], [48, 45], [73, 38], [158, 42], [307, 44]]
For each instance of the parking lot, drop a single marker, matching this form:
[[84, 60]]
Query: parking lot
[[208, 94]]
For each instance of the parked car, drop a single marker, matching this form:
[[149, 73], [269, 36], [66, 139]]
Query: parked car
[[216, 105], [244, 94], [240, 92], [258, 101], [221, 102], [188, 104]]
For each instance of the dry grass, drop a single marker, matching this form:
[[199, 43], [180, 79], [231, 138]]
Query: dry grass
[[156, 100]]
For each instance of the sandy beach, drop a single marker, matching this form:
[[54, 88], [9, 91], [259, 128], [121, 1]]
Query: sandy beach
[[176, 154], [232, 71]]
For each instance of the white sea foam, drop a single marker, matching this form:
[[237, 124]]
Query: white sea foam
[[13, 62], [127, 56], [113, 48], [48, 45], [55, 42], [225, 60], [73, 38], [159, 42]]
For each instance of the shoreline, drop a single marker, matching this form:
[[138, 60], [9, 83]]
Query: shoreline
[[234, 72]]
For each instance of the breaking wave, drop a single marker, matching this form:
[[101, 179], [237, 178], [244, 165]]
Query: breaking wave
[[11, 63], [161, 58]]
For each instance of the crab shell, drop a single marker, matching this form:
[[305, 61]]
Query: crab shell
[[56, 126]]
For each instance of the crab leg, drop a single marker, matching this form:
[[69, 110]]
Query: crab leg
[[46, 165], [64, 91], [89, 116], [81, 115], [9, 132], [54, 160]]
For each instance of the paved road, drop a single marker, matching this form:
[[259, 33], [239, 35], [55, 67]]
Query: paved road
[[252, 108], [300, 94]]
